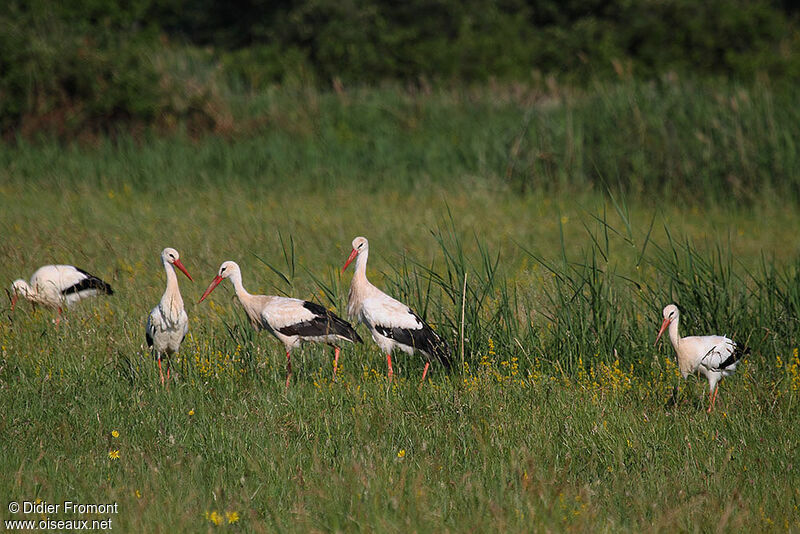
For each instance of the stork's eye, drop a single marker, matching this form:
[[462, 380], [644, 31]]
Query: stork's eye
[[671, 314], [172, 256], [222, 270]]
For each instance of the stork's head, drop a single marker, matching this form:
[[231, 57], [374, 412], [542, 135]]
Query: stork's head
[[670, 314], [20, 288], [360, 244], [226, 270], [171, 256]]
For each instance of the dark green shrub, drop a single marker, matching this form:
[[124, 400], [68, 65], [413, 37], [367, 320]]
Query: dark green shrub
[[91, 68]]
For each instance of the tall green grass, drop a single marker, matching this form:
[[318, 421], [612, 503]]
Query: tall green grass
[[679, 139], [594, 308]]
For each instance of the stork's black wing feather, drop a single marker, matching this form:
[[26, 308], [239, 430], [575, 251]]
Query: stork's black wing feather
[[423, 339], [738, 354], [324, 323], [148, 338], [90, 282]]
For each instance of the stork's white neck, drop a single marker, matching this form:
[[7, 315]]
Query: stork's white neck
[[171, 301], [24, 289], [172, 278], [674, 337], [361, 265], [236, 279], [359, 285]]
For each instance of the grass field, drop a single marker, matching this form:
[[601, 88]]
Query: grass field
[[562, 415]]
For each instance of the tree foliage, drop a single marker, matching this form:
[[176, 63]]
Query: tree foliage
[[88, 63]]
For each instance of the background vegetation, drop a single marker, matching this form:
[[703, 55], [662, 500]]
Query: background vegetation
[[86, 66], [683, 140]]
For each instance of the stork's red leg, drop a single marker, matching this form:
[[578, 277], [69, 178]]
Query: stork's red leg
[[389, 363], [58, 317], [160, 372], [710, 401], [335, 361], [425, 372], [288, 367]]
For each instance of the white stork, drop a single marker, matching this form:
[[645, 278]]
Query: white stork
[[292, 321], [58, 286], [712, 356], [168, 323], [391, 323]]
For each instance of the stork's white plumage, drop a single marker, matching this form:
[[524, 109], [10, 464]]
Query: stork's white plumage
[[712, 356], [58, 286], [292, 321], [393, 325], [168, 323]]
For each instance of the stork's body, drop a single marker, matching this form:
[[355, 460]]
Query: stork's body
[[292, 321], [168, 322], [393, 325], [714, 357], [59, 286]]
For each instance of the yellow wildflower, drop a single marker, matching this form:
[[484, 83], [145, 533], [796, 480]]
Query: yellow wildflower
[[214, 517], [232, 517], [114, 433], [191, 412], [114, 455], [401, 453]]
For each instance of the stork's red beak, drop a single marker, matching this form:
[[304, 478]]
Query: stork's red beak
[[664, 326], [350, 258], [179, 265], [14, 299], [214, 283]]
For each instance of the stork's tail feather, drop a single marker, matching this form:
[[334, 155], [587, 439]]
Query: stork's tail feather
[[344, 329], [90, 282], [737, 355], [440, 350], [332, 322], [105, 287]]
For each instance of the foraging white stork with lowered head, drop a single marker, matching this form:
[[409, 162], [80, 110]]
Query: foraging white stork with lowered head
[[292, 321], [58, 286], [168, 323], [712, 356], [391, 323]]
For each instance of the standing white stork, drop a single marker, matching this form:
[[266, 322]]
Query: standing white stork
[[712, 356], [292, 321], [391, 323], [168, 323], [58, 286]]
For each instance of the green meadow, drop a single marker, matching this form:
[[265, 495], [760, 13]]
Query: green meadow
[[539, 232]]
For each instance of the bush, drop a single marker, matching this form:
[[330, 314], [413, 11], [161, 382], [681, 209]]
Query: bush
[[64, 72], [62, 75], [368, 41]]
